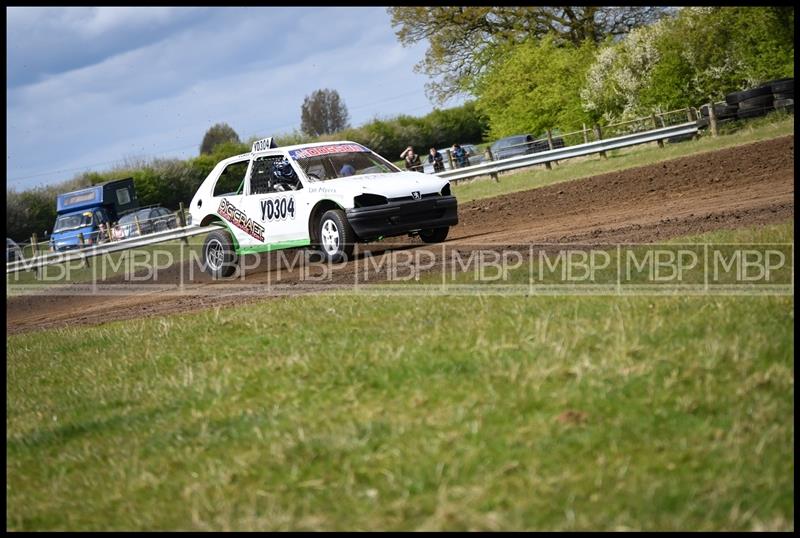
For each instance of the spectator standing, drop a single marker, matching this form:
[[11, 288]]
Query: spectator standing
[[435, 158], [413, 164], [460, 156]]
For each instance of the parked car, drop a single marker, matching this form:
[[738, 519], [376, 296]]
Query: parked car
[[151, 220], [512, 146], [13, 252]]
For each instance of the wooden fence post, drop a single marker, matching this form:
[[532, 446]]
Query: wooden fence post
[[599, 134], [712, 119], [82, 243], [182, 221], [450, 159], [138, 226], [585, 134], [488, 155], [655, 126], [691, 115], [550, 144]]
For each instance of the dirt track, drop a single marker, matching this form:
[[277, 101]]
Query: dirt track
[[741, 186]]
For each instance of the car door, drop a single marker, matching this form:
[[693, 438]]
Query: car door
[[227, 198], [281, 208]]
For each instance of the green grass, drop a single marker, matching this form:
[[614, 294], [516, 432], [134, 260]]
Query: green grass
[[443, 413], [772, 126]]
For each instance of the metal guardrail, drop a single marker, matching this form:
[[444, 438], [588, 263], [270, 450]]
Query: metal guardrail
[[106, 248], [568, 152]]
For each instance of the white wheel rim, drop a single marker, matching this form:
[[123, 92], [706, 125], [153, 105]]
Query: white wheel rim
[[330, 237], [214, 254]]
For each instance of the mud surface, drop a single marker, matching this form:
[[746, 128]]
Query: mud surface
[[742, 186]]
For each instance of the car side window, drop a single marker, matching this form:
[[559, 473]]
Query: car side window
[[265, 178], [261, 177], [231, 180]]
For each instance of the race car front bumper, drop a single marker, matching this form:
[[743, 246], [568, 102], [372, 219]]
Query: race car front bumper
[[399, 217]]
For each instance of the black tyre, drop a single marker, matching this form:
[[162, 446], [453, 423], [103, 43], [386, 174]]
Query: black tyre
[[752, 113], [756, 102], [737, 97], [782, 86], [219, 256], [336, 237], [783, 95], [435, 235]]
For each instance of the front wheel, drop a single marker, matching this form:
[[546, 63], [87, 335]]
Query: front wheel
[[336, 237], [219, 257], [435, 235]]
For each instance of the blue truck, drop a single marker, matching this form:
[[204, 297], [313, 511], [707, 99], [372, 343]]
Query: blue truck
[[85, 210]]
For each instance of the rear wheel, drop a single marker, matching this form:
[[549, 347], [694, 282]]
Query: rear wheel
[[435, 235], [219, 257], [336, 237]]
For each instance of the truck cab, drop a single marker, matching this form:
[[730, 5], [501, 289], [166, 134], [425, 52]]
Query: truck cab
[[81, 213]]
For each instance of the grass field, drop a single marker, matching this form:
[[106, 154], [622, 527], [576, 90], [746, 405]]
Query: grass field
[[333, 412], [772, 126]]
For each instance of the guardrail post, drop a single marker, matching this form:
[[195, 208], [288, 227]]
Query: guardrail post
[[450, 159], [34, 249], [182, 221], [550, 142], [138, 227], [489, 157], [712, 120], [655, 126], [691, 115], [599, 134]]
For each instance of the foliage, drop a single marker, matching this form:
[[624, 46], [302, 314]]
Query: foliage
[[217, 134], [697, 56], [459, 37], [323, 112], [535, 87]]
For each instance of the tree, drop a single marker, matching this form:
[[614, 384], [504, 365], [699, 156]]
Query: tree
[[463, 39], [217, 134], [323, 112], [535, 87]]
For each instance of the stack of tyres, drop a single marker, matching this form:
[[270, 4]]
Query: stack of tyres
[[753, 102], [783, 94]]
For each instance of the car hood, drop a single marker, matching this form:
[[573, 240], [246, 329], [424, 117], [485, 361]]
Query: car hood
[[396, 185]]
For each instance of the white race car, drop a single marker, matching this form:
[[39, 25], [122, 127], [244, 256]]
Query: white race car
[[326, 196]]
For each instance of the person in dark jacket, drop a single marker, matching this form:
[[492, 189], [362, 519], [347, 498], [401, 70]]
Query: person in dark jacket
[[460, 156], [435, 158]]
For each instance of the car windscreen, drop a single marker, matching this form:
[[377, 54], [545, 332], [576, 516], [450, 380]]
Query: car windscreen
[[72, 222], [321, 163]]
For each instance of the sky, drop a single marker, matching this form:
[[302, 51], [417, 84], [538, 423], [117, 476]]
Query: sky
[[91, 88]]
